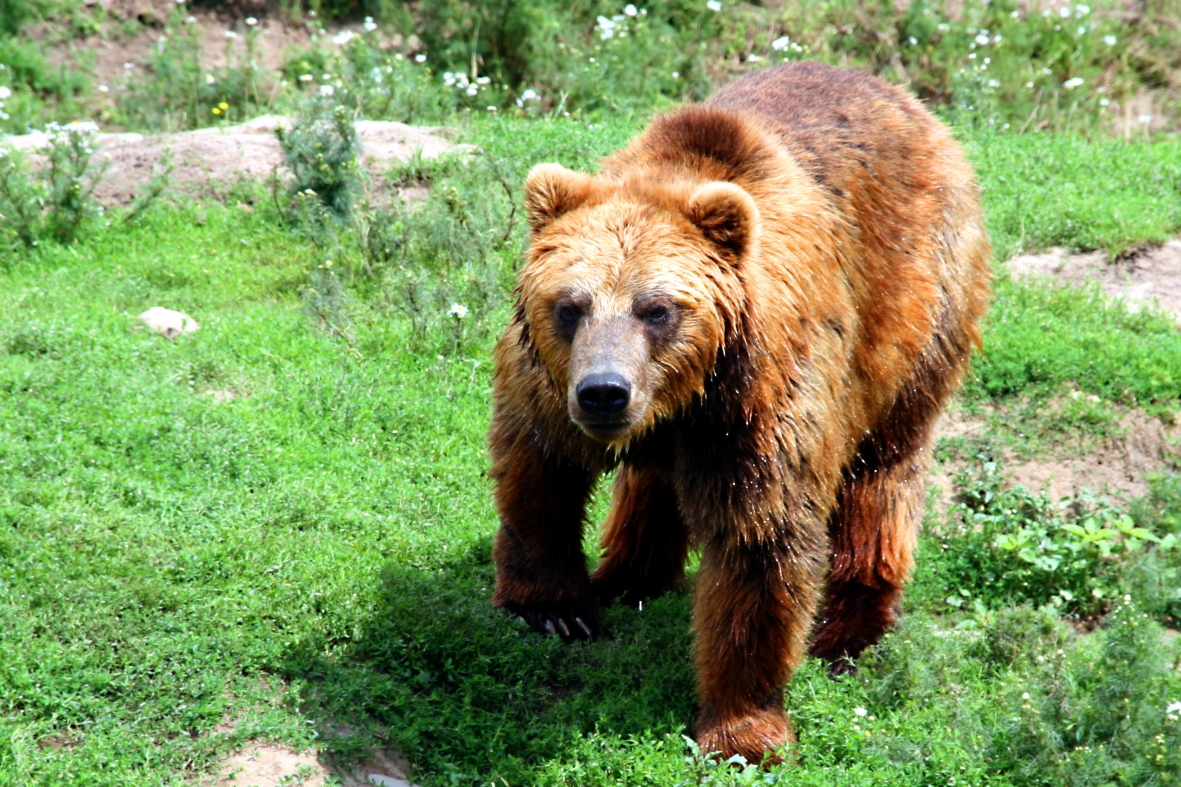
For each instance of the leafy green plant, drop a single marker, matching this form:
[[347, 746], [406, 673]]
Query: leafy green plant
[[59, 203], [1003, 546], [21, 201], [323, 156]]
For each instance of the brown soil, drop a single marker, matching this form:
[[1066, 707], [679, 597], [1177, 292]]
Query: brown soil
[[1152, 275], [271, 765], [208, 160], [1117, 466]]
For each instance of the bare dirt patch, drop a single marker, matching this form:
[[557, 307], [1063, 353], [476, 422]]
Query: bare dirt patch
[[1117, 466], [1152, 275], [209, 160], [271, 765]]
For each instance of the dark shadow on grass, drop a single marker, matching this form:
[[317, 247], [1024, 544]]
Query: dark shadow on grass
[[462, 689]]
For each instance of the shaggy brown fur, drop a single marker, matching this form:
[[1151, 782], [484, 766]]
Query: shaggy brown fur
[[755, 311]]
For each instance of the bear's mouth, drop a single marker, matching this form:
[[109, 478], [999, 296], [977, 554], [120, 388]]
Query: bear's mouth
[[604, 431]]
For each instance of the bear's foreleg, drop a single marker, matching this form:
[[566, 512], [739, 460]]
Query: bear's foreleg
[[541, 570], [753, 605], [873, 533], [645, 541]]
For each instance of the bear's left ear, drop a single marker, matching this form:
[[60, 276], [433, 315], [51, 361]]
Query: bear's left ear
[[727, 216], [552, 190]]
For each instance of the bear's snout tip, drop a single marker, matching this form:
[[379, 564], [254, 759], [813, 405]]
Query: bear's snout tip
[[603, 394]]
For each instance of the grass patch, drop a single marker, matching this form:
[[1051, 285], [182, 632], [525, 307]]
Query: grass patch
[[313, 549]]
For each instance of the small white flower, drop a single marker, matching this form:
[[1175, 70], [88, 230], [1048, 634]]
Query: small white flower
[[1109, 40], [1082, 30], [190, 20], [530, 95], [1064, 12], [996, 39], [1174, 707], [993, 83], [458, 311], [230, 34], [306, 77], [103, 89], [860, 711], [606, 28], [1072, 83], [630, 10], [420, 58], [209, 80], [1029, 84], [472, 90], [491, 109], [327, 90], [483, 80], [342, 38], [753, 58], [1146, 118], [676, 75], [448, 78], [128, 66], [1104, 102], [1016, 14], [1082, 10], [5, 92], [714, 5], [1025, 695], [369, 25], [913, 41], [780, 44], [982, 39], [251, 21]]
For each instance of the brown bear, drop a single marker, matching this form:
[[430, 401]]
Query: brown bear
[[754, 314]]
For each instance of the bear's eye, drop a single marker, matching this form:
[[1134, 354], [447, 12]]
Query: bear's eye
[[569, 314], [655, 315]]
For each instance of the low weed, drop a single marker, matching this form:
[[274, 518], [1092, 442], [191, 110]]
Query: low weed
[[59, 203], [323, 156], [178, 92], [1012, 546], [361, 72], [33, 92]]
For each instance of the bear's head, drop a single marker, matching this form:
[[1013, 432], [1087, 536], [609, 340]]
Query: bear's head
[[630, 290]]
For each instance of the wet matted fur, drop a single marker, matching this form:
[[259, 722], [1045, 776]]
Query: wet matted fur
[[755, 312]]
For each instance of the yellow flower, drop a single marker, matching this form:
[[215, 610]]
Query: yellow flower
[[216, 111], [224, 106]]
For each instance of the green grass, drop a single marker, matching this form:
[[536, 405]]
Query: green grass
[[315, 552]]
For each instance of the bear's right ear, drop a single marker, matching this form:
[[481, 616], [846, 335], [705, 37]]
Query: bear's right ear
[[552, 190]]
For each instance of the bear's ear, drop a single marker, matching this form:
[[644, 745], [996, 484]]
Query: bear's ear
[[727, 216], [552, 190]]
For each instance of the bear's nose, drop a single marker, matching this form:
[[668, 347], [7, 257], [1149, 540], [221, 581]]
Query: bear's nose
[[603, 394]]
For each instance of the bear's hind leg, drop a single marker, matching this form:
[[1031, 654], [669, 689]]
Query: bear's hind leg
[[645, 541], [873, 533]]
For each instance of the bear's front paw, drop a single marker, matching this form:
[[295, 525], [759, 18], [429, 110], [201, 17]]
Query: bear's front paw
[[759, 736], [571, 620]]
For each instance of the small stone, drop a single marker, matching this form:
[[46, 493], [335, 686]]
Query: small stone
[[381, 780], [167, 322]]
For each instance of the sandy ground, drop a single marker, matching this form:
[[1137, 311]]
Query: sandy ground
[[271, 765], [209, 159], [1153, 275], [1117, 467]]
